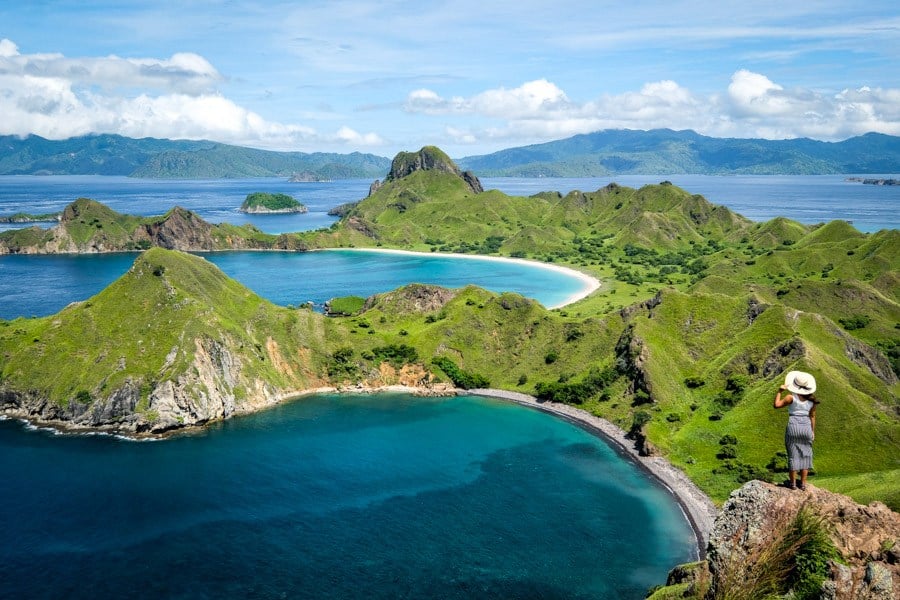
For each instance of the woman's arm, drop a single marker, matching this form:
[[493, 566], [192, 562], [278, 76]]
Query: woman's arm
[[779, 401], [812, 419]]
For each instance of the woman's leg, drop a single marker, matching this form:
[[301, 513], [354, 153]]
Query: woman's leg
[[792, 475], [803, 474]]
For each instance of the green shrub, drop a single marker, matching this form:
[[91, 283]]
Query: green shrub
[[575, 393], [854, 322], [396, 354], [726, 452], [694, 382], [461, 379]]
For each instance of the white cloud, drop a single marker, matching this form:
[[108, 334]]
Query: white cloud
[[531, 99], [752, 105], [56, 97], [8, 48]]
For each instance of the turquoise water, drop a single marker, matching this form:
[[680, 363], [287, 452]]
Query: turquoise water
[[384, 496], [32, 285]]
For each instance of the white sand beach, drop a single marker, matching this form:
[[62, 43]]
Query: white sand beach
[[591, 284]]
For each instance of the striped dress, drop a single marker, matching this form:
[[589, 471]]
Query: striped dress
[[798, 436]]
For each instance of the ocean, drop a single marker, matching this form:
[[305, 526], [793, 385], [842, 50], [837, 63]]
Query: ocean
[[337, 496], [805, 198]]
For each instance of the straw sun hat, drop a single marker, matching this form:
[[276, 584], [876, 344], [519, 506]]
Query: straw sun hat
[[799, 382]]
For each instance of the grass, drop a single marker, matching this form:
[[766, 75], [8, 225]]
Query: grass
[[690, 291]]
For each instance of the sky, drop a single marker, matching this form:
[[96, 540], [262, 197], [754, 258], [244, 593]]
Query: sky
[[470, 77]]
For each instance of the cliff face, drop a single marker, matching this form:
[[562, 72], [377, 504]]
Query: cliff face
[[206, 391], [87, 227], [756, 520], [429, 158], [173, 344]]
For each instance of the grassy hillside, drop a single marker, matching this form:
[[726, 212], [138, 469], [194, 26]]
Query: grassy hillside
[[700, 314], [735, 305], [89, 226]]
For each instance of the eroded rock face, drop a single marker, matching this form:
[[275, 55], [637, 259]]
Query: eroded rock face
[[868, 538], [415, 297], [428, 158], [180, 230]]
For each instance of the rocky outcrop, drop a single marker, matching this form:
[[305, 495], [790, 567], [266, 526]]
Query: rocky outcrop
[[874, 180], [631, 357], [412, 298], [428, 158], [180, 230], [756, 519], [88, 227]]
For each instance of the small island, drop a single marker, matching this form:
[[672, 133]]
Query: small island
[[874, 181], [266, 203], [21, 217], [307, 177]]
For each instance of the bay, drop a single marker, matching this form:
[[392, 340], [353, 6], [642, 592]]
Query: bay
[[330, 496], [40, 285]]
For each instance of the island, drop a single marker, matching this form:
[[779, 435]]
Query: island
[[307, 177], [21, 217], [264, 203], [874, 180], [699, 315]]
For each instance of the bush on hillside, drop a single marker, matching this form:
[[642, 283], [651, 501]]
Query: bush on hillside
[[461, 379]]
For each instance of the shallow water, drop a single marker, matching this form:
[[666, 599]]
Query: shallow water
[[35, 285], [380, 496]]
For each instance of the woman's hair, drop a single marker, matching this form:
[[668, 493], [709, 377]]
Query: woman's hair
[[811, 397]]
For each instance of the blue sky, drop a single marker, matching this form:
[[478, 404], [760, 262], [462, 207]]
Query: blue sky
[[470, 77]]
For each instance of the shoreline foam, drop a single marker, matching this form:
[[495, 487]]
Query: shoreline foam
[[590, 283]]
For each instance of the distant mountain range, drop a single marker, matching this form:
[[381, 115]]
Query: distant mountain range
[[175, 159], [609, 152], [664, 151]]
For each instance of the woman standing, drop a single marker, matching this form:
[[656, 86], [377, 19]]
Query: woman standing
[[801, 427]]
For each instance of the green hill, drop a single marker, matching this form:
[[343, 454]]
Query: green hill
[[663, 152], [182, 159], [699, 315], [88, 226]]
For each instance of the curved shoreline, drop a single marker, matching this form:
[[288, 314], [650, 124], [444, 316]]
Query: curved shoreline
[[696, 506], [590, 283]]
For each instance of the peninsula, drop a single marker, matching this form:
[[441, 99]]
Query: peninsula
[[699, 315]]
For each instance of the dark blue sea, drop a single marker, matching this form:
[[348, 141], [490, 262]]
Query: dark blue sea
[[381, 496], [384, 496]]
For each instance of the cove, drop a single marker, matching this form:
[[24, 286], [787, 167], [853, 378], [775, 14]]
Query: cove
[[40, 285], [335, 496]]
